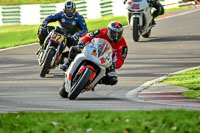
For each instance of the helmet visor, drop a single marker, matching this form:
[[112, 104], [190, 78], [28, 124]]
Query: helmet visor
[[115, 36], [69, 12]]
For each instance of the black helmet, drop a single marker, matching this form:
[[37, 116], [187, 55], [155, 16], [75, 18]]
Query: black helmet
[[70, 9], [115, 31]]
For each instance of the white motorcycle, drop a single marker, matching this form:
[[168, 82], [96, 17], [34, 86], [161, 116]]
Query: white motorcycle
[[87, 68], [139, 18]]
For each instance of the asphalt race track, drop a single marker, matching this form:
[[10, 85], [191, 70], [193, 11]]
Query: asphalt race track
[[174, 45]]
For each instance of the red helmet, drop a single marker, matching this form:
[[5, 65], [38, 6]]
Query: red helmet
[[70, 9], [115, 31]]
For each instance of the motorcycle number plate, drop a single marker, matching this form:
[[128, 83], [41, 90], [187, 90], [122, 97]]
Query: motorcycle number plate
[[57, 37], [136, 6]]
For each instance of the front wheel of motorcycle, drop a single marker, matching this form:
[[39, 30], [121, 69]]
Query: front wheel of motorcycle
[[135, 30], [47, 63], [80, 84], [146, 35]]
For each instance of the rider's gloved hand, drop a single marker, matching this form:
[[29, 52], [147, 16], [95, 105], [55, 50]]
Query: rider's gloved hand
[[44, 24], [75, 37], [81, 45]]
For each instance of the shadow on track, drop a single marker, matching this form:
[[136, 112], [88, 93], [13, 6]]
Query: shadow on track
[[100, 99]]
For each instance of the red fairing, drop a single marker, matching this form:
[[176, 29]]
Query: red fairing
[[119, 49], [80, 71]]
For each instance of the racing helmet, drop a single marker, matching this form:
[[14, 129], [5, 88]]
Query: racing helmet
[[115, 31], [69, 9]]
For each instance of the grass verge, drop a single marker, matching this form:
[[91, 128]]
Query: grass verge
[[190, 80], [16, 35], [165, 121], [177, 9]]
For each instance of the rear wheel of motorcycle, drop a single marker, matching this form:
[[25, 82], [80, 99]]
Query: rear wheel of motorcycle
[[62, 91], [80, 84], [147, 34], [136, 29], [47, 62]]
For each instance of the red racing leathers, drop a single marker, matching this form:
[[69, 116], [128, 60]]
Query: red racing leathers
[[119, 49]]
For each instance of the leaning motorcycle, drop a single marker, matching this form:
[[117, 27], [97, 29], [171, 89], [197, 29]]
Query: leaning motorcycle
[[140, 18], [50, 55], [87, 68]]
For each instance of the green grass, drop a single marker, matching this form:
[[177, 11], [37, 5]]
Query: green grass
[[176, 9], [17, 35], [164, 121], [24, 34], [189, 79], [104, 21], [23, 2]]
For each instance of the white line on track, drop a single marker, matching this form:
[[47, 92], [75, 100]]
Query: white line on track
[[18, 47]]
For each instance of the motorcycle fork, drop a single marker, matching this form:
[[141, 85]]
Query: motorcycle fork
[[44, 55], [140, 18], [57, 55]]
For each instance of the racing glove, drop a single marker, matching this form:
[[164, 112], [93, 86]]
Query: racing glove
[[44, 24], [81, 45], [75, 37]]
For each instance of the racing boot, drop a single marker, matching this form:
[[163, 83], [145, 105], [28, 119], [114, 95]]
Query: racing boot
[[153, 22], [65, 66], [110, 78]]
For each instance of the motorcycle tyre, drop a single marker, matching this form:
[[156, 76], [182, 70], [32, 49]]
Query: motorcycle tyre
[[62, 91], [80, 84], [47, 62], [147, 35], [135, 31]]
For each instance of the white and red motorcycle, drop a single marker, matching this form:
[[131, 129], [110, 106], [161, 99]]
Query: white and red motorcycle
[[139, 18], [87, 68]]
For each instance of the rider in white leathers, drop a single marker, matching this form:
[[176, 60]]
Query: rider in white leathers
[[157, 5]]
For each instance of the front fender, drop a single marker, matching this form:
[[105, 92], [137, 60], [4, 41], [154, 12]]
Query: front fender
[[139, 16]]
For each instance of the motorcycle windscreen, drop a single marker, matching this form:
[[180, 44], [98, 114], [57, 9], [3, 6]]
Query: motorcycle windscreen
[[101, 47]]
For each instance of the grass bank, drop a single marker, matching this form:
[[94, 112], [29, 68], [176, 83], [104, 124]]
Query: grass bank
[[164, 121], [16, 35], [190, 80]]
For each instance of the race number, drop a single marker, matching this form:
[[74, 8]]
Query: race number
[[57, 37], [136, 6]]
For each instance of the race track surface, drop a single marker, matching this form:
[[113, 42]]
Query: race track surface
[[174, 45]]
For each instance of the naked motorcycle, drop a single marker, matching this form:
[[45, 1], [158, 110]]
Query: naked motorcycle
[[50, 56], [87, 68], [139, 18]]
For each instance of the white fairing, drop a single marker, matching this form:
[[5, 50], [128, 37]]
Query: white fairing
[[138, 8], [99, 51]]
